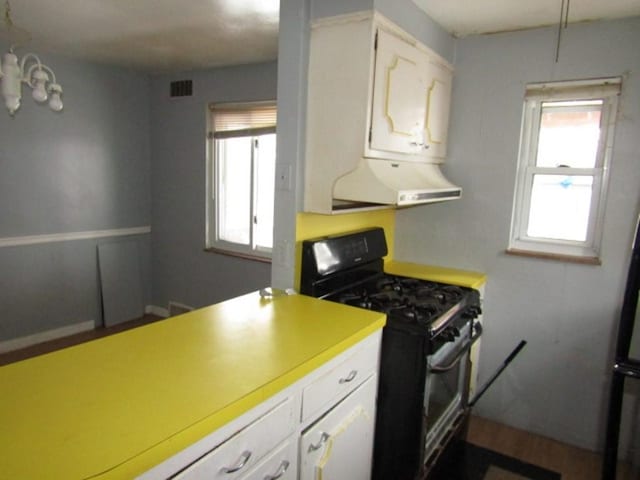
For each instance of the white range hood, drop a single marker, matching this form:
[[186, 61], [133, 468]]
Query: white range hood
[[388, 182]]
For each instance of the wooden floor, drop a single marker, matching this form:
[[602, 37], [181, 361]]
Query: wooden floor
[[52, 345], [572, 462]]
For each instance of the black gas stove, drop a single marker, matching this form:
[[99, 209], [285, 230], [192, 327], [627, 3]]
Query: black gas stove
[[424, 359], [349, 269]]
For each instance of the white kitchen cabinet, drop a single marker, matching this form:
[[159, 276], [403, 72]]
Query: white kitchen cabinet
[[242, 451], [373, 92], [399, 97], [328, 389], [339, 446], [410, 105], [281, 464], [263, 444]]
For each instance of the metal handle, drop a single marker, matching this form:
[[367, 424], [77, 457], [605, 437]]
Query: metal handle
[[350, 377], [323, 439], [460, 353], [416, 144], [284, 465], [242, 461], [448, 366]]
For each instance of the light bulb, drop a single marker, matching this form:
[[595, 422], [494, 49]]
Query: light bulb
[[55, 102], [40, 78], [12, 102], [11, 88]]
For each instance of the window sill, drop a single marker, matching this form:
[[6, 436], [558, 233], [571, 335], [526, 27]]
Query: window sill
[[554, 256], [244, 256]]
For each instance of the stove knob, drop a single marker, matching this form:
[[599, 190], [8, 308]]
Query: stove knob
[[472, 312], [450, 333], [447, 336]]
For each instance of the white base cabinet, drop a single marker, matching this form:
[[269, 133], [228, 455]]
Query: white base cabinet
[[281, 464], [320, 428], [340, 444]]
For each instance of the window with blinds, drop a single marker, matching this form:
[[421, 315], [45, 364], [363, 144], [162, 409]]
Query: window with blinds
[[240, 178], [565, 150]]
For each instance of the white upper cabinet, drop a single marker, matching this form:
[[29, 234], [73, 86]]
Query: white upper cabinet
[[373, 92], [410, 104], [399, 97]]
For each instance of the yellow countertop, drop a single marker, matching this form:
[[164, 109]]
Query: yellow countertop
[[115, 407], [463, 278]]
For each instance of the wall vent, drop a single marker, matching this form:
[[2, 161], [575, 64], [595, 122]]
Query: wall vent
[[181, 88]]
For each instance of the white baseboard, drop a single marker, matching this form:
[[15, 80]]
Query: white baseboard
[[27, 341], [176, 308], [155, 310]]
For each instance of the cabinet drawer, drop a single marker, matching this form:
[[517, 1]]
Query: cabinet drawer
[[340, 380], [237, 455], [281, 464]]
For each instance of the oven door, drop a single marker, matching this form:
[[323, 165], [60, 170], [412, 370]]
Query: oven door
[[445, 391]]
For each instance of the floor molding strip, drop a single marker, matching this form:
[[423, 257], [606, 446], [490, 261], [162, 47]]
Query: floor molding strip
[[27, 341]]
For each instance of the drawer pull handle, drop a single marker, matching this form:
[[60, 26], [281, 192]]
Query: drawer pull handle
[[284, 465], [350, 377], [242, 461], [323, 438]]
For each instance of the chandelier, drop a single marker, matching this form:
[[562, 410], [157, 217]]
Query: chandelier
[[30, 71]]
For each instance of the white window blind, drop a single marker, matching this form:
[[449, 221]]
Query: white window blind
[[240, 120]]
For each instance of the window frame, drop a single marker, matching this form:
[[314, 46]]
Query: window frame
[[607, 90], [213, 242]]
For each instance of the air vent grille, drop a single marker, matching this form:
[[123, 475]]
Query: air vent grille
[[181, 88]]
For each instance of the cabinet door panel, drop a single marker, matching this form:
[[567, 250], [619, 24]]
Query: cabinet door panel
[[339, 446], [399, 106], [437, 118]]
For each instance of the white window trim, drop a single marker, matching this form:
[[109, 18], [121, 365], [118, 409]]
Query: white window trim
[[212, 240], [608, 91]]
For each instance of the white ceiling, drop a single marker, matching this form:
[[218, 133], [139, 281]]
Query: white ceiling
[[155, 35], [174, 35], [469, 17]]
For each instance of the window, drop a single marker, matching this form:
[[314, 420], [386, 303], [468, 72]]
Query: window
[[565, 151], [240, 178]]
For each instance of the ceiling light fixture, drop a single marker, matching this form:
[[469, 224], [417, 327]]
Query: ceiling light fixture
[[29, 70]]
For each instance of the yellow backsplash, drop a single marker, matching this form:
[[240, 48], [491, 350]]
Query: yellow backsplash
[[311, 225]]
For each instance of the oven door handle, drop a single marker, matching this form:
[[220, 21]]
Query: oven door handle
[[477, 327]]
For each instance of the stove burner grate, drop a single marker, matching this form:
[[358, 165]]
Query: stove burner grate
[[407, 300]]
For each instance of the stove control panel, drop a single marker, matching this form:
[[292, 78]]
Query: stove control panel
[[325, 255]]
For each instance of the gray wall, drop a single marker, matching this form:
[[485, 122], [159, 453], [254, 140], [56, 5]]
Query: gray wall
[[86, 168], [567, 312], [182, 270]]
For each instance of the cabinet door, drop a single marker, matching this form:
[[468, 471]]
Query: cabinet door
[[438, 104], [399, 107], [339, 446]]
